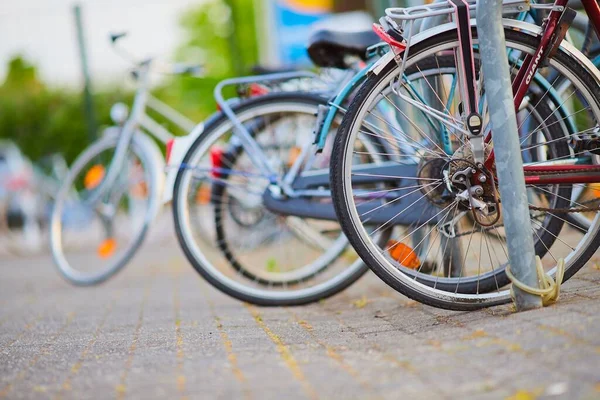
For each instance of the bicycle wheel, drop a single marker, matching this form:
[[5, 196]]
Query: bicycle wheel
[[90, 242], [460, 257], [261, 256], [589, 193]]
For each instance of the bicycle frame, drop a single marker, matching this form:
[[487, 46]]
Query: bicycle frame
[[342, 90], [521, 85], [139, 118], [550, 39]]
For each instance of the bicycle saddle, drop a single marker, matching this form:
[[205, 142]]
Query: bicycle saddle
[[329, 49]]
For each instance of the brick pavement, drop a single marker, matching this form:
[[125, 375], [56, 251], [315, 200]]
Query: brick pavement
[[157, 330]]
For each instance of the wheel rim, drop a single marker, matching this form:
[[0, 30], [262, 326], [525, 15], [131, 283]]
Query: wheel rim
[[319, 282], [401, 274], [82, 246]]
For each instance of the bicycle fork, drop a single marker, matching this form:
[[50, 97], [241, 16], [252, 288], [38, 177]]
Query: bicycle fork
[[467, 76]]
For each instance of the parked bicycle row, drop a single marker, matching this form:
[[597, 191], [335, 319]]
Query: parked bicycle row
[[383, 160]]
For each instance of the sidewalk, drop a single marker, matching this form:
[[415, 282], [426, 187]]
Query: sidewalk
[[157, 330]]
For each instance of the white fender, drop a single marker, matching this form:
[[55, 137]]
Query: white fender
[[179, 149]]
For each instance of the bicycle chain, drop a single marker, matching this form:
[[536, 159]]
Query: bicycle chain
[[553, 210], [566, 210]]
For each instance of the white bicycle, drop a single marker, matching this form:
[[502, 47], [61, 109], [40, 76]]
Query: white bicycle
[[114, 188]]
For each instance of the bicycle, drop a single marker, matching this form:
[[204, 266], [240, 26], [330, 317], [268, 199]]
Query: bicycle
[[214, 165], [201, 198], [277, 237], [452, 180], [113, 189]]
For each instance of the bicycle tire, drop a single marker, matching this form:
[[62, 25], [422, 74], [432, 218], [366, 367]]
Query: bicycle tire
[[203, 267], [397, 280], [146, 151]]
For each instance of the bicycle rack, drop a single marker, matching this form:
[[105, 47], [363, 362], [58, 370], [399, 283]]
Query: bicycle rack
[[225, 107], [509, 168]]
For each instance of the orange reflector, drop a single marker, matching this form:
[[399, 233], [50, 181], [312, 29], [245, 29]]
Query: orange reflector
[[203, 195], [139, 190], [107, 248], [94, 176], [403, 254], [594, 189], [293, 155]]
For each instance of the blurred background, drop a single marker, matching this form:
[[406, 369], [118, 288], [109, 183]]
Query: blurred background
[[59, 76]]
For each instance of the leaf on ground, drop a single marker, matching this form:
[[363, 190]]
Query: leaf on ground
[[522, 395], [272, 265], [479, 333], [361, 303], [305, 325]]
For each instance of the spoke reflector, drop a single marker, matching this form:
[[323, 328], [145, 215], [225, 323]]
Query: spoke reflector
[[94, 176], [107, 248], [403, 254], [203, 195]]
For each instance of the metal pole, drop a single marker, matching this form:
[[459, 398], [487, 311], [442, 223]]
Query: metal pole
[[509, 165], [87, 88]]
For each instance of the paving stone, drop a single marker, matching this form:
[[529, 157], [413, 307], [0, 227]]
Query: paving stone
[[157, 330]]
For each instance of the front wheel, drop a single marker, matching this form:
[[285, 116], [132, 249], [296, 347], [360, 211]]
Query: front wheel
[[91, 241]]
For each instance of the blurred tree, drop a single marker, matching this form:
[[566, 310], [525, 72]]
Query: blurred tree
[[42, 120], [222, 35], [21, 74]]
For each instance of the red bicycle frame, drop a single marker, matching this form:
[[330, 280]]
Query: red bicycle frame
[[569, 173]]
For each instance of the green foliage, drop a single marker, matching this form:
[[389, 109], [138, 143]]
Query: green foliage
[[43, 120], [40, 120], [222, 35]]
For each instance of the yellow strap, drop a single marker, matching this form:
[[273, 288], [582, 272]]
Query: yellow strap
[[549, 289]]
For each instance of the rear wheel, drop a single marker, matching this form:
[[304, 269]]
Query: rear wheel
[[460, 255]]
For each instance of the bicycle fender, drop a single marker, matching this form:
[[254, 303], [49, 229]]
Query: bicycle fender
[[382, 62], [522, 26], [179, 149]]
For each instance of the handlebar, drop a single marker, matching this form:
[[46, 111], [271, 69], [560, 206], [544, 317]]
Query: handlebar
[[174, 69], [187, 69], [116, 36]]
